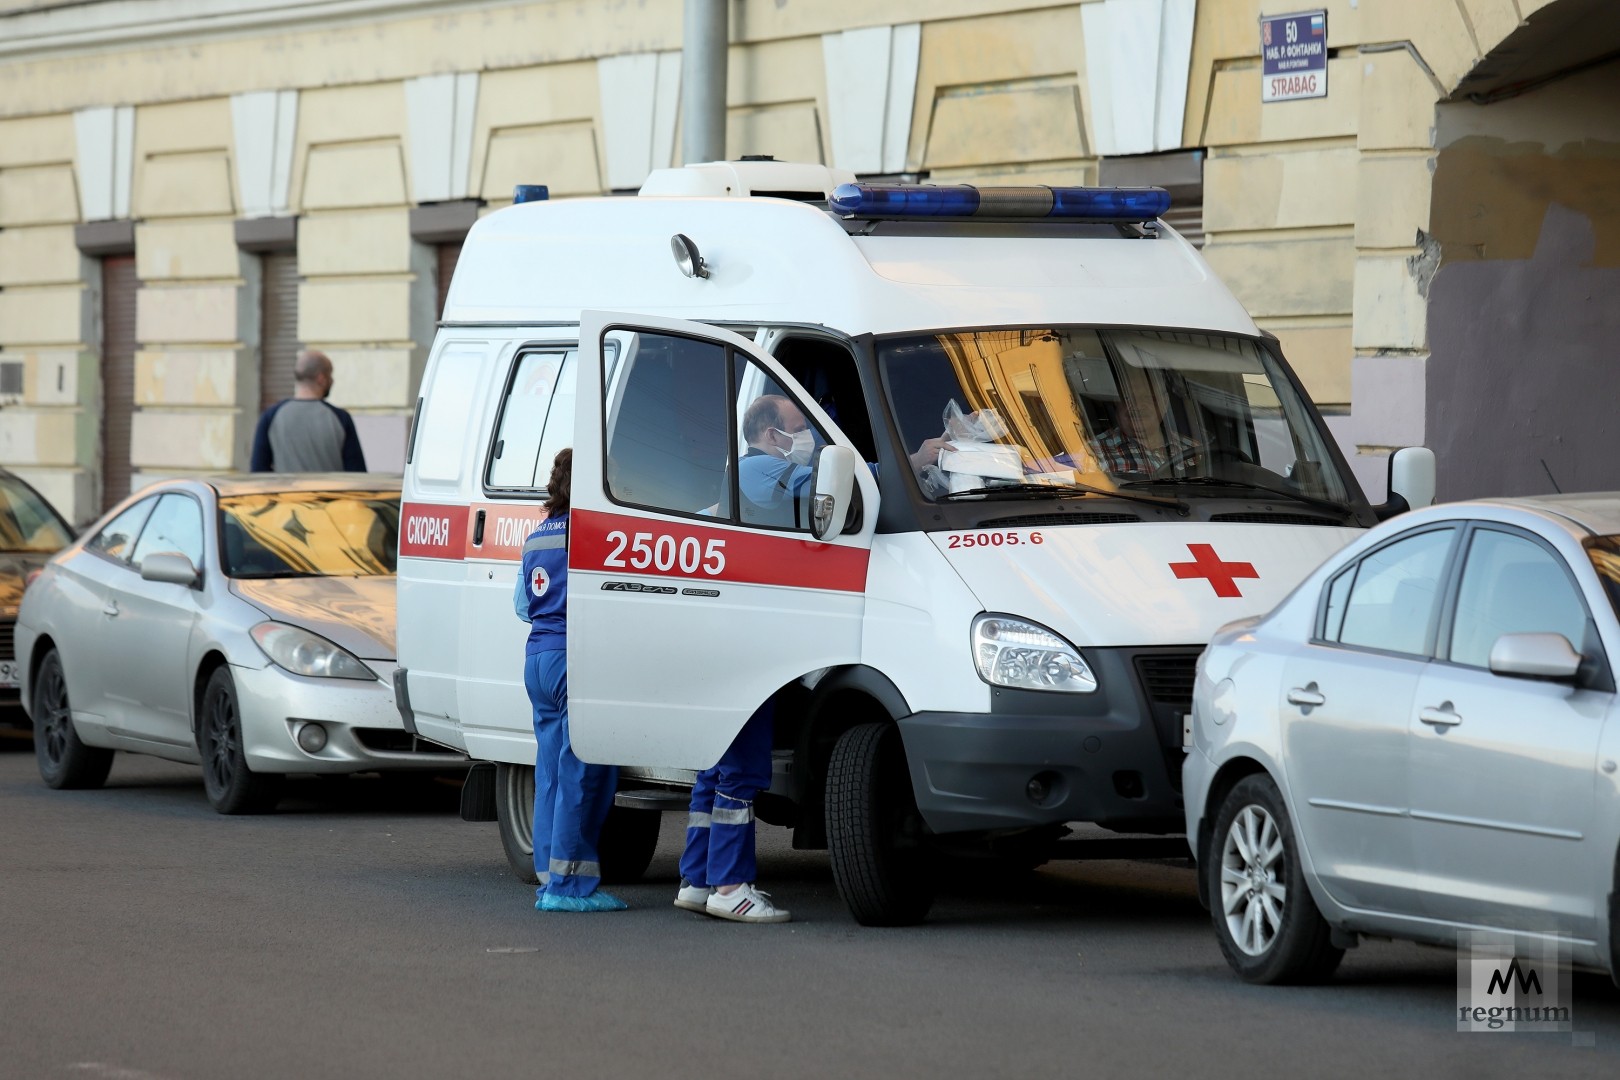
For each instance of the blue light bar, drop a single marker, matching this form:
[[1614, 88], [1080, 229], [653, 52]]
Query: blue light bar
[[530, 193], [965, 201]]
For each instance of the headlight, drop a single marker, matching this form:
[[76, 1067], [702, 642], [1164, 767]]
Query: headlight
[[1018, 654], [304, 653]]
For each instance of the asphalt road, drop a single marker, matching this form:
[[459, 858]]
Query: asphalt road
[[369, 932]]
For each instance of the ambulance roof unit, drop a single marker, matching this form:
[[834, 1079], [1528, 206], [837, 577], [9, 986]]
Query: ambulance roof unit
[[776, 252]]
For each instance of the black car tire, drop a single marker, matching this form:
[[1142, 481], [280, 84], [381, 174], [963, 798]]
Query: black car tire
[[231, 787], [1266, 921], [875, 836], [64, 761]]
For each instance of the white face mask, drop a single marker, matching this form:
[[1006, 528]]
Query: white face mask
[[804, 445]]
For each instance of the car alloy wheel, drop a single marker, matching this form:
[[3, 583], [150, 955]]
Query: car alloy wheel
[[231, 787], [223, 741], [1252, 875], [1266, 920], [64, 760], [55, 720]]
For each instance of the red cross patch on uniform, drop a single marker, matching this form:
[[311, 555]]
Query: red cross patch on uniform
[[539, 581]]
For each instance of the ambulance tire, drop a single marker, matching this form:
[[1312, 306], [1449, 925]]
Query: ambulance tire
[[880, 860], [629, 837], [514, 813]]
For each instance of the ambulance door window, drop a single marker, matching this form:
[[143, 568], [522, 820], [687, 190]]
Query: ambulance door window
[[669, 425], [527, 437]]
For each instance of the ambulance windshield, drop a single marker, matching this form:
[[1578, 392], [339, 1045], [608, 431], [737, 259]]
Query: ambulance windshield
[[1133, 411]]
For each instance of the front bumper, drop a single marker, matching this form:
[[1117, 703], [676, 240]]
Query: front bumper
[[1111, 757], [362, 726]]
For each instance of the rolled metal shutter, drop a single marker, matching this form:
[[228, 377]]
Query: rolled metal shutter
[[278, 329], [1188, 220], [118, 285], [448, 254]]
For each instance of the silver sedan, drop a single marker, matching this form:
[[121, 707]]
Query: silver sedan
[[244, 624], [1421, 743]]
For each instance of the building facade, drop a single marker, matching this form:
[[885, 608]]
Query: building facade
[[191, 190]]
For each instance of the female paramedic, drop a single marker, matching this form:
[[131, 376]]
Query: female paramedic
[[571, 798]]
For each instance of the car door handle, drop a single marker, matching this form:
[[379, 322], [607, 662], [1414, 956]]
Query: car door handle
[[1306, 697], [1443, 717], [110, 608]]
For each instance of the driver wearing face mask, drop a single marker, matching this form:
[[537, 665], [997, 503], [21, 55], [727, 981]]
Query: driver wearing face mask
[[774, 475]]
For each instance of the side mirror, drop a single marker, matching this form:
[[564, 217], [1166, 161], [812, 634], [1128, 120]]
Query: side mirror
[[1535, 656], [1411, 481], [169, 567], [832, 487]]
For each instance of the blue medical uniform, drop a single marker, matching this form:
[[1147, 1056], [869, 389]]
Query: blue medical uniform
[[720, 821], [774, 485], [571, 798]]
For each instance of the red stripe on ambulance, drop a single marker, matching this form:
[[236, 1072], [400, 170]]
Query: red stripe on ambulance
[[432, 531], [631, 546], [506, 527]]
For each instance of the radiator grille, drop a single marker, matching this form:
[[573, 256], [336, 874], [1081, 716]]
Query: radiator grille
[[8, 649], [1167, 678]]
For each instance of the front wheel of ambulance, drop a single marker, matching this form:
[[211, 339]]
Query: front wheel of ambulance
[[629, 837], [874, 833]]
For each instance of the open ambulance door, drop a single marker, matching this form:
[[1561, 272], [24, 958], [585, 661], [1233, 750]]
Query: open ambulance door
[[688, 603]]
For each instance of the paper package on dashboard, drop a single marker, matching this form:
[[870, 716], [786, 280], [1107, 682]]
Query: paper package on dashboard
[[985, 460]]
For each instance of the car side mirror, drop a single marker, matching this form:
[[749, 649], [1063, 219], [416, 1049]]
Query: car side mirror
[[1411, 482], [1535, 656], [832, 487], [169, 567]]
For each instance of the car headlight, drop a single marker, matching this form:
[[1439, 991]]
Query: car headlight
[[1018, 654], [304, 653]]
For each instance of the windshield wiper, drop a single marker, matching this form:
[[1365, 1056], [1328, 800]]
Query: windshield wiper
[[1341, 509], [1068, 491]]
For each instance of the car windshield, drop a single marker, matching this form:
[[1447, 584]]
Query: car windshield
[[1117, 410], [1604, 551], [27, 522], [309, 534]]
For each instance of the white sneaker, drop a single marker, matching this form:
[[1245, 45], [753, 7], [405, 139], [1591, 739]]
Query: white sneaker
[[692, 897], [746, 904]]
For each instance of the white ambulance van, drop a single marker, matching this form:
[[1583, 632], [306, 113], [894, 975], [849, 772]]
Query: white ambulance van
[[1050, 455]]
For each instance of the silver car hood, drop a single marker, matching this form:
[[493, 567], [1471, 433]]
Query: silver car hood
[[356, 613]]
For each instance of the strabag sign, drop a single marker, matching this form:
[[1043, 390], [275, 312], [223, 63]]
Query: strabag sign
[[1293, 56]]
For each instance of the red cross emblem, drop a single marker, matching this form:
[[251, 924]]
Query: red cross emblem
[[1222, 576], [539, 581]]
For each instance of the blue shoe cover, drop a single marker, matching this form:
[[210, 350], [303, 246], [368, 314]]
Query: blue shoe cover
[[596, 901]]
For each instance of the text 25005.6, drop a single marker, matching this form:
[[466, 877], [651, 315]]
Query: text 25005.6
[[992, 539]]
